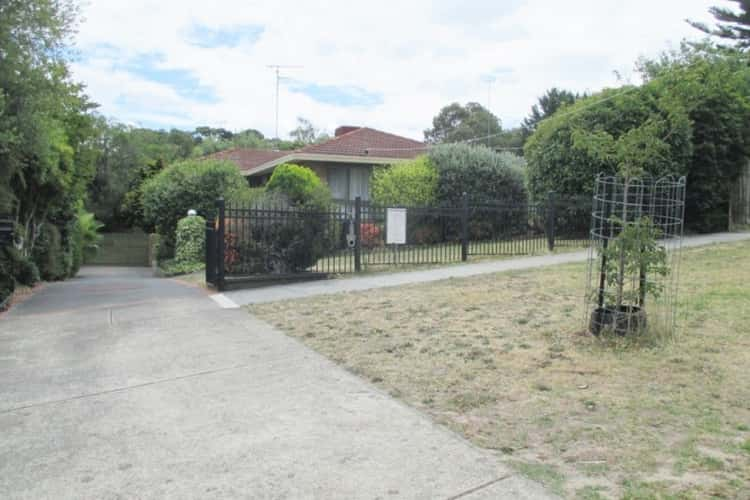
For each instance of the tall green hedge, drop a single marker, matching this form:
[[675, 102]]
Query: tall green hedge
[[691, 117], [479, 171]]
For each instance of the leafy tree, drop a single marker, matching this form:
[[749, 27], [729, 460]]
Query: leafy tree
[[548, 104], [732, 25], [306, 132], [46, 125], [132, 203], [457, 123]]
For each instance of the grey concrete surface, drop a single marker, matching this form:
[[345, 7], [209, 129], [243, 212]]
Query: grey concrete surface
[[308, 289], [119, 385]]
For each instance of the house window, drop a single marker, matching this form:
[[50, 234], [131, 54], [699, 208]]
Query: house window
[[346, 183]]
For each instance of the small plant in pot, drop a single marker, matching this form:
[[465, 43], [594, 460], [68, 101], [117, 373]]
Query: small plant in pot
[[629, 263]]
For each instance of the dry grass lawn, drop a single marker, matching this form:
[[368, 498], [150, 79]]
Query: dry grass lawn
[[502, 359]]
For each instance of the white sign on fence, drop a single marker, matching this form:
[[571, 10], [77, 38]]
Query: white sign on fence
[[395, 224]]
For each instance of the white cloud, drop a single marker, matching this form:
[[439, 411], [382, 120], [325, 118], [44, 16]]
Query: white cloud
[[418, 55]]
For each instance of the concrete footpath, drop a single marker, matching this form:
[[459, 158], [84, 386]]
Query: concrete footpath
[[239, 298], [119, 385]]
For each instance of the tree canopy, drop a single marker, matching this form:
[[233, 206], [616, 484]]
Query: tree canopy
[[456, 123], [548, 104], [732, 25]]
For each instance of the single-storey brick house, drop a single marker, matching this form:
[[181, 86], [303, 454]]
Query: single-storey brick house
[[344, 162]]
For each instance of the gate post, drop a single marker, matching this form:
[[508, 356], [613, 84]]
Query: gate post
[[210, 251], [220, 242], [551, 220], [357, 234], [465, 227]]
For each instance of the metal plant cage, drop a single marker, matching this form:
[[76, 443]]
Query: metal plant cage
[[634, 257]]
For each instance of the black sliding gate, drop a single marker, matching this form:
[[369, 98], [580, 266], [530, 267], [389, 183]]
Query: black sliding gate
[[279, 242]]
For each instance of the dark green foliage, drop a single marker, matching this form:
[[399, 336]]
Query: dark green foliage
[[7, 282], [477, 170], [192, 184], [26, 272], [691, 117], [733, 25], [459, 123], [49, 255], [132, 203], [606, 132], [20, 269], [190, 240], [549, 103], [714, 87]]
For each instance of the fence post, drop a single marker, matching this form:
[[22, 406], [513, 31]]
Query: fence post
[[465, 227], [220, 242], [357, 233], [551, 220]]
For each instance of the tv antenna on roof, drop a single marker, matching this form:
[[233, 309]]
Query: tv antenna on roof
[[489, 80], [277, 68]]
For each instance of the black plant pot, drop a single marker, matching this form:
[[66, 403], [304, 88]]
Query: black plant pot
[[621, 321]]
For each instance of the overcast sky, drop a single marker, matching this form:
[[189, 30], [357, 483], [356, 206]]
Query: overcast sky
[[390, 65]]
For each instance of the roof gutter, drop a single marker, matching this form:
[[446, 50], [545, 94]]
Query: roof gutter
[[369, 160]]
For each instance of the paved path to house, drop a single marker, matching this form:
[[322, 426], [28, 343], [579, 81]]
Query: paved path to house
[[238, 298], [119, 385]]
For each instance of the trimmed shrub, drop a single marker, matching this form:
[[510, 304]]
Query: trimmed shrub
[[408, 183], [190, 240], [299, 185], [477, 170], [190, 184]]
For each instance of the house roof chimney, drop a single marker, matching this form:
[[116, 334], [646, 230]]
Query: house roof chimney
[[345, 129]]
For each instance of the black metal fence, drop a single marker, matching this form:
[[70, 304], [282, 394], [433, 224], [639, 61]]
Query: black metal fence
[[280, 242]]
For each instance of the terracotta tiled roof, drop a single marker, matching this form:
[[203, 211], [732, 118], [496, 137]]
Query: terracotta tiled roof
[[361, 142], [368, 142], [247, 159]]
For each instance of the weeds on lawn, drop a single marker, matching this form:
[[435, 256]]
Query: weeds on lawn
[[503, 359]]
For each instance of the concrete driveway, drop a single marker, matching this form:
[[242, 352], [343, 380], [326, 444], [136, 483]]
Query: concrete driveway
[[119, 385]]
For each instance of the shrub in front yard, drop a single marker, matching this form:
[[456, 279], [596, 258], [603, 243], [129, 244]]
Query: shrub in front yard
[[192, 184], [477, 170], [190, 239], [292, 243], [299, 185], [407, 183]]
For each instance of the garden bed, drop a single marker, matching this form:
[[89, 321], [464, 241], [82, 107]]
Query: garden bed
[[503, 360]]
